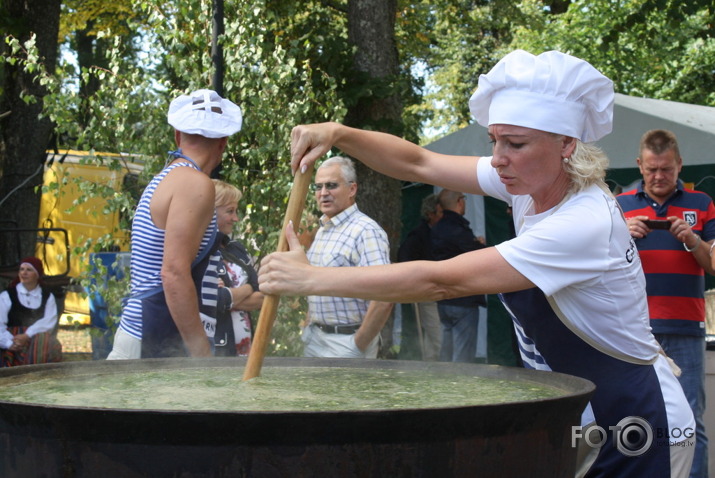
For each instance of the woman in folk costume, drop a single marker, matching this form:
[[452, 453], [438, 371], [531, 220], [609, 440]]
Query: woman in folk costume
[[28, 319]]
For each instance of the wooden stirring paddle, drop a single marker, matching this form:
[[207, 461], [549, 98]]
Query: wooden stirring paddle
[[294, 211]]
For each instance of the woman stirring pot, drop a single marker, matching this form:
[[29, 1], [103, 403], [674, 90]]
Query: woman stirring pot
[[572, 278]]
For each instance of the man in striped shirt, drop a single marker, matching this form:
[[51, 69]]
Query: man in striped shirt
[[344, 327], [174, 280], [675, 253]]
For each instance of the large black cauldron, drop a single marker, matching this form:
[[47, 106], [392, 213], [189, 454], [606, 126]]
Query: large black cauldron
[[531, 438]]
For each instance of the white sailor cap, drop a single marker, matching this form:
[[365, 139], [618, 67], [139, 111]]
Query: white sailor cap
[[205, 113]]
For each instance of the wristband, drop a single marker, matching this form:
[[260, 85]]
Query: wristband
[[697, 243], [711, 249]]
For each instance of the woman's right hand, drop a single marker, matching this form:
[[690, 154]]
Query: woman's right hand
[[310, 142]]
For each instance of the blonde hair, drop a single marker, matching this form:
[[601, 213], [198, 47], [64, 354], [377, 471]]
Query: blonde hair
[[586, 166], [226, 194]]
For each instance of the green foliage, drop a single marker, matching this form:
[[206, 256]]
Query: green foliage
[[277, 70], [460, 40], [653, 48], [112, 288], [95, 16], [288, 63]]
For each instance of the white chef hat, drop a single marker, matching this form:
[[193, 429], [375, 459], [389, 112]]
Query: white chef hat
[[204, 112], [552, 92]]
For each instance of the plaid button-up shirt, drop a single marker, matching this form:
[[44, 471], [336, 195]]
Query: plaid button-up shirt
[[348, 239]]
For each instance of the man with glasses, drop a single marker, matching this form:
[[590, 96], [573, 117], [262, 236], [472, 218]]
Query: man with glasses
[[452, 236], [343, 327]]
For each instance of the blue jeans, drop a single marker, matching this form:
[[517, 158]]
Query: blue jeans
[[459, 332], [688, 352]]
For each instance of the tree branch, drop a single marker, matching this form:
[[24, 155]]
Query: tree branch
[[334, 6]]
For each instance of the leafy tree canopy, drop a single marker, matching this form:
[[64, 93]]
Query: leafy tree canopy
[[661, 49], [653, 48], [288, 63]]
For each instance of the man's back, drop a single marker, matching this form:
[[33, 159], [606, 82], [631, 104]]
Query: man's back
[[417, 246]]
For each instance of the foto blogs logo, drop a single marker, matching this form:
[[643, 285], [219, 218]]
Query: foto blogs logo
[[632, 436]]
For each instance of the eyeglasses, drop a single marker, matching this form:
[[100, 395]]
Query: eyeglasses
[[319, 186]]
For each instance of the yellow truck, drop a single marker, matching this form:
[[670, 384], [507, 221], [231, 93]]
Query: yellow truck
[[75, 219]]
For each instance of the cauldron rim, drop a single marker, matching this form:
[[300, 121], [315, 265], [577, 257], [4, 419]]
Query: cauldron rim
[[568, 385], [439, 438]]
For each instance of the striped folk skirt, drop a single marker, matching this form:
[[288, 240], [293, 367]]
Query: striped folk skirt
[[44, 347]]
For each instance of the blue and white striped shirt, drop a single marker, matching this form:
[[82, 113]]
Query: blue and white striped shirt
[[148, 253]]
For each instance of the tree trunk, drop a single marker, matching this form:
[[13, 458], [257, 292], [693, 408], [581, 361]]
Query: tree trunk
[[24, 137], [371, 28], [90, 53]]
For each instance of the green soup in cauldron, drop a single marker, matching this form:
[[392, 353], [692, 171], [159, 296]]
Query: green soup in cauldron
[[277, 389]]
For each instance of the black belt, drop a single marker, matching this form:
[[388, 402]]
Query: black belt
[[337, 329]]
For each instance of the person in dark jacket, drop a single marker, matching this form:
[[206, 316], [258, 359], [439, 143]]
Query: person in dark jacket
[[417, 246], [452, 236]]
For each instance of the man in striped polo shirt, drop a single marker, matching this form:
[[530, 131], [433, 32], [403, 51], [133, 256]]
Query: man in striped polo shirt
[[675, 253]]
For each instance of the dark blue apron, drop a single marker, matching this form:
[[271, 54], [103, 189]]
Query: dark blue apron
[[623, 389], [160, 336]]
